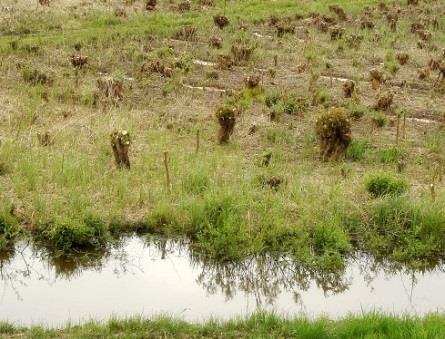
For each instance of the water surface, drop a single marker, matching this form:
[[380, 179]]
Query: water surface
[[152, 277]]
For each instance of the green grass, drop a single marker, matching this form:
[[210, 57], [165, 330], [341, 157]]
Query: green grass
[[260, 325], [380, 184]]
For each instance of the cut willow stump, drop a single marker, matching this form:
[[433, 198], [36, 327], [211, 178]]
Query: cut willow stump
[[120, 143], [109, 89]]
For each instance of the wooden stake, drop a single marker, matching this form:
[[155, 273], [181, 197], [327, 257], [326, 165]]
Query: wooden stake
[[433, 191], [167, 173], [398, 129], [404, 126], [197, 141]]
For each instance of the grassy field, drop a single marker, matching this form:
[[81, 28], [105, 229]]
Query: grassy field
[[256, 326], [161, 75]]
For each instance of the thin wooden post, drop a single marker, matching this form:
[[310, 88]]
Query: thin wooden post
[[404, 126], [433, 191], [398, 129], [197, 141], [167, 172]]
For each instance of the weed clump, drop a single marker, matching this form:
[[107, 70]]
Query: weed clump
[[380, 184], [356, 150], [376, 77], [216, 42], [333, 129], [45, 139], [157, 67], [357, 111], [4, 168], [110, 88], [340, 12], [196, 183], [217, 228], [390, 64], [348, 88], [384, 102], [272, 182], [184, 6], [120, 12], [423, 73], [150, 5], [402, 58], [336, 32], [378, 119], [8, 230], [288, 103], [407, 230], [186, 33], [221, 21], [390, 155], [284, 28], [226, 116], [78, 61], [242, 52], [252, 81], [225, 62], [36, 77], [321, 98], [68, 235]]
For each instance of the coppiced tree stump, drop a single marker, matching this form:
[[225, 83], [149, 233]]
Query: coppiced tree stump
[[120, 143], [226, 116], [111, 89]]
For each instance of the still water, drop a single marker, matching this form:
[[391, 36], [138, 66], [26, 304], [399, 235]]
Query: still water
[[153, 277]]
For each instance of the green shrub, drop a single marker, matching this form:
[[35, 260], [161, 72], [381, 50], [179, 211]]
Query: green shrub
[[379, 184], [356, 150], [66, 235]]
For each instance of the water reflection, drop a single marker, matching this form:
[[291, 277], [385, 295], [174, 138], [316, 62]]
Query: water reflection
[[265, 278], [135, 275]]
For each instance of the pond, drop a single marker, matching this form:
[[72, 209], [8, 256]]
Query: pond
[[158, 276]]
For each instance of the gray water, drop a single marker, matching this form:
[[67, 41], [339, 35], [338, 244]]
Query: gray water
[[153, 277]]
